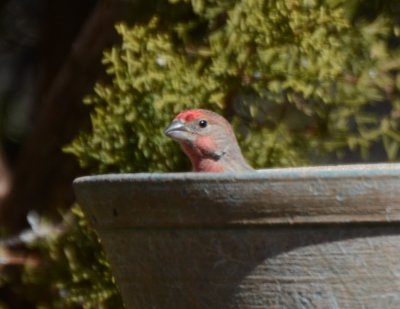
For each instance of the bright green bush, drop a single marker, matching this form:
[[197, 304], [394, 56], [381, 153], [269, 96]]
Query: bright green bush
[[299, 79]]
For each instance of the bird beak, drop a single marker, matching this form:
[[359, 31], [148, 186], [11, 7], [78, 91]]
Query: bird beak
[[176, 130]]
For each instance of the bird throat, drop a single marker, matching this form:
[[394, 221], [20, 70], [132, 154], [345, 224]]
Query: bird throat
[[204, 156]]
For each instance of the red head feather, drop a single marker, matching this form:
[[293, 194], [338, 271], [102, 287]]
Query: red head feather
[[189, 115], [211, 148]]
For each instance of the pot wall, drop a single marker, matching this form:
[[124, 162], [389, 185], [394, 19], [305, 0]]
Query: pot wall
[[325, 237]]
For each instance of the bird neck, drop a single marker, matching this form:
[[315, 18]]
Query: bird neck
[[225, 161], [201, 161], [207, 165]]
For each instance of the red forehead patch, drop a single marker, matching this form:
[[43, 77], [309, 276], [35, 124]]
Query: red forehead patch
[[190, 115]]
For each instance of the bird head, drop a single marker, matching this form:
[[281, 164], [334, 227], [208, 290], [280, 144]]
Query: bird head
[[207, 138]]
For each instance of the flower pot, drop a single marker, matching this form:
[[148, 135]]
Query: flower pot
[[320, 237]]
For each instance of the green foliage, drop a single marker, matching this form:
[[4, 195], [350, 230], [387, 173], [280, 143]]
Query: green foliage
[[73, 270], [129, 115], [299, 79]]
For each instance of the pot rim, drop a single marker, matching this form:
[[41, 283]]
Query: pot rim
[[363, 193], [324, 171]]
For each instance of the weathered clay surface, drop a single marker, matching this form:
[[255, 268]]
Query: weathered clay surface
[[326, 237]]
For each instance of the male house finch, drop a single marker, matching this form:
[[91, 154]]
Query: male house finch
[[208, 140]]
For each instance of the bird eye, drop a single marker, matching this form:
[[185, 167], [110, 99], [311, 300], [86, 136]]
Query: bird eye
[[202, 123]]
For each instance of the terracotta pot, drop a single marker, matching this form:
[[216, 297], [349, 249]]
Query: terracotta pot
[[321, 237]]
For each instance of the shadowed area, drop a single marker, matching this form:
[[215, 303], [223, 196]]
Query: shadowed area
[[287, 267]]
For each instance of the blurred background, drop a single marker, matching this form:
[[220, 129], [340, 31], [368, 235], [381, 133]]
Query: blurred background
[[303, 82]]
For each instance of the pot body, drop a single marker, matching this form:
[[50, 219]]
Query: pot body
[[322, 237]]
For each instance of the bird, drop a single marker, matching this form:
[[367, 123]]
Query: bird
[[208, 140]]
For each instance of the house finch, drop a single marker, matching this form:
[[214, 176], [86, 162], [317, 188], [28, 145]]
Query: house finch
[[208, 140]]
